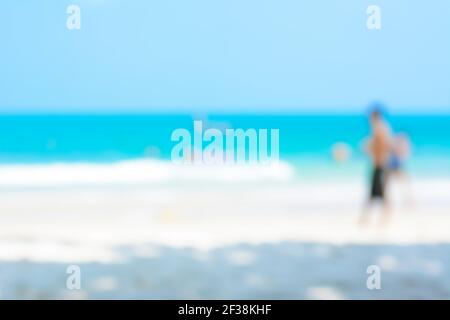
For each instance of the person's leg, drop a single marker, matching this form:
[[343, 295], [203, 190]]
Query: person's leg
[[385, 213], [365, 212]]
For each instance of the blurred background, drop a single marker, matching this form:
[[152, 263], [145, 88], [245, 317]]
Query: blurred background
[[86, 179]]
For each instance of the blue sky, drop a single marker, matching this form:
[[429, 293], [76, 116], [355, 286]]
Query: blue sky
[[223, 56]]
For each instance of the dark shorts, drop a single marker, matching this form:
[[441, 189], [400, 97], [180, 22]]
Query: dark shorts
[[377, 188]]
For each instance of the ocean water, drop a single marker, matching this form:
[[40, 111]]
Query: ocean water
[[305, 140]]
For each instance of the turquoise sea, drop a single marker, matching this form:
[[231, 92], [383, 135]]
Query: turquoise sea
[[305, 140]]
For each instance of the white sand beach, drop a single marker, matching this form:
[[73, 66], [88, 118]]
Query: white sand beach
[[271, 238]]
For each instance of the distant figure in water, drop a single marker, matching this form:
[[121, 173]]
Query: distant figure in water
[[379, 150]]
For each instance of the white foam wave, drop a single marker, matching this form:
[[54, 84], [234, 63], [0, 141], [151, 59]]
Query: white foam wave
[[136, 172]]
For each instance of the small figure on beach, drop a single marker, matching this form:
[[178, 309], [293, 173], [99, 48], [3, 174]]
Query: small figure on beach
[[378, 148], [400, 153]]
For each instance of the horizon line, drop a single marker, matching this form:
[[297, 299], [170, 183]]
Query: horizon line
[[223, 113]]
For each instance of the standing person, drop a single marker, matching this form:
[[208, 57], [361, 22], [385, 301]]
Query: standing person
[[400, 153], [378, 148]]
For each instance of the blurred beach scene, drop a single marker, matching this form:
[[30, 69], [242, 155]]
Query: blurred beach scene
[[91, 93], [102, 193]]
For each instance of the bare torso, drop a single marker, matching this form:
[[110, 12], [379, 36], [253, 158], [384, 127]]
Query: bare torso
[[379, 146]]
